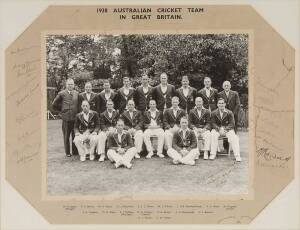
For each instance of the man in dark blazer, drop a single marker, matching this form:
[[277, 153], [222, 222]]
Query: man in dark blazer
[[86, 129], [106, 94], [186, 95], [89, 96], [232, 101], [124, 94], [171, 120], [153, 124], [184, 146], [163, 93], [222, 122], [120, 147], [66, 102], [143, 94], [209, 95], [108, 122], [199, 121], [133, 121]]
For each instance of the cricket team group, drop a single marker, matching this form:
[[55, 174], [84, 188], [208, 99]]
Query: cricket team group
[[116, 124]]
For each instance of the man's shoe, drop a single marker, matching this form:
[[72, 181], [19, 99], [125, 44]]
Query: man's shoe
[[68, 155], [82, 158], [137, 156], [102, 158], [190, 162], [149, 155], [92, 157], [160, 155], [175, 161], [238, 159], [118, 164], [212, 157]]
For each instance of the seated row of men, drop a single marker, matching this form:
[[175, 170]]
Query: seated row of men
[[124, 134]]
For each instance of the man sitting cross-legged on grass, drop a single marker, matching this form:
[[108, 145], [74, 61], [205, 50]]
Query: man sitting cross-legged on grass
[[184, 147], [153, 124], [222, 121], [121, 149], [133, 121], [86, 128], [108, 121]]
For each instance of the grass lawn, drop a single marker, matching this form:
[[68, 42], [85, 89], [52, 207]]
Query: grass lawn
[[155, 176]]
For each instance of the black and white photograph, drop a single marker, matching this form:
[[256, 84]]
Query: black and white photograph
[[147, 114]]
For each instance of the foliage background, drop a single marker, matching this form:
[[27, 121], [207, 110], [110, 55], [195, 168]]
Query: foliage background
[[97, 57]]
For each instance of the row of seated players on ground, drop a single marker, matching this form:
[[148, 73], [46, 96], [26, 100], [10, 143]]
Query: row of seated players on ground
[[180, 141]]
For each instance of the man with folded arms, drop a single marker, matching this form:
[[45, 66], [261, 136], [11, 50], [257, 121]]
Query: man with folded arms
[[184, 147], [121, 149], [133, 121], [108, 122], [222, 121], [86, 129], [199, 121], [171, 120], [153, 124]]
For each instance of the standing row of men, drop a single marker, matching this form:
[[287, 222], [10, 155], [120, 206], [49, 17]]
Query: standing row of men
[[67, 102]]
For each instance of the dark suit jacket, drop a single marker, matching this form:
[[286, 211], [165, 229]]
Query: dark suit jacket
[[227, 120], [136, 122], [210, 102], [93, 124], [189, 142], [141, 99], [170, 120], [93, 100], [102, 101], [122, 99], [126, 143], [67, 104], [199, 122], [232, 101], [106, 121], [158, 119], [187, 103], [158, 96]]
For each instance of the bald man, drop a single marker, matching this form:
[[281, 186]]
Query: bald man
[[66, 102]]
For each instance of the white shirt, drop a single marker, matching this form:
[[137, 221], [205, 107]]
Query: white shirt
[[153, 115], [86, 116], [70, 92], [126, 91], [185, 91], [199, 112], [221, 114], [227, 94], [88, 96], [130, 114], [175, 112], [107, 95], [110, 114], [164, 88], [207, 92], [120, 137], [145, 89], [183, 133]]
